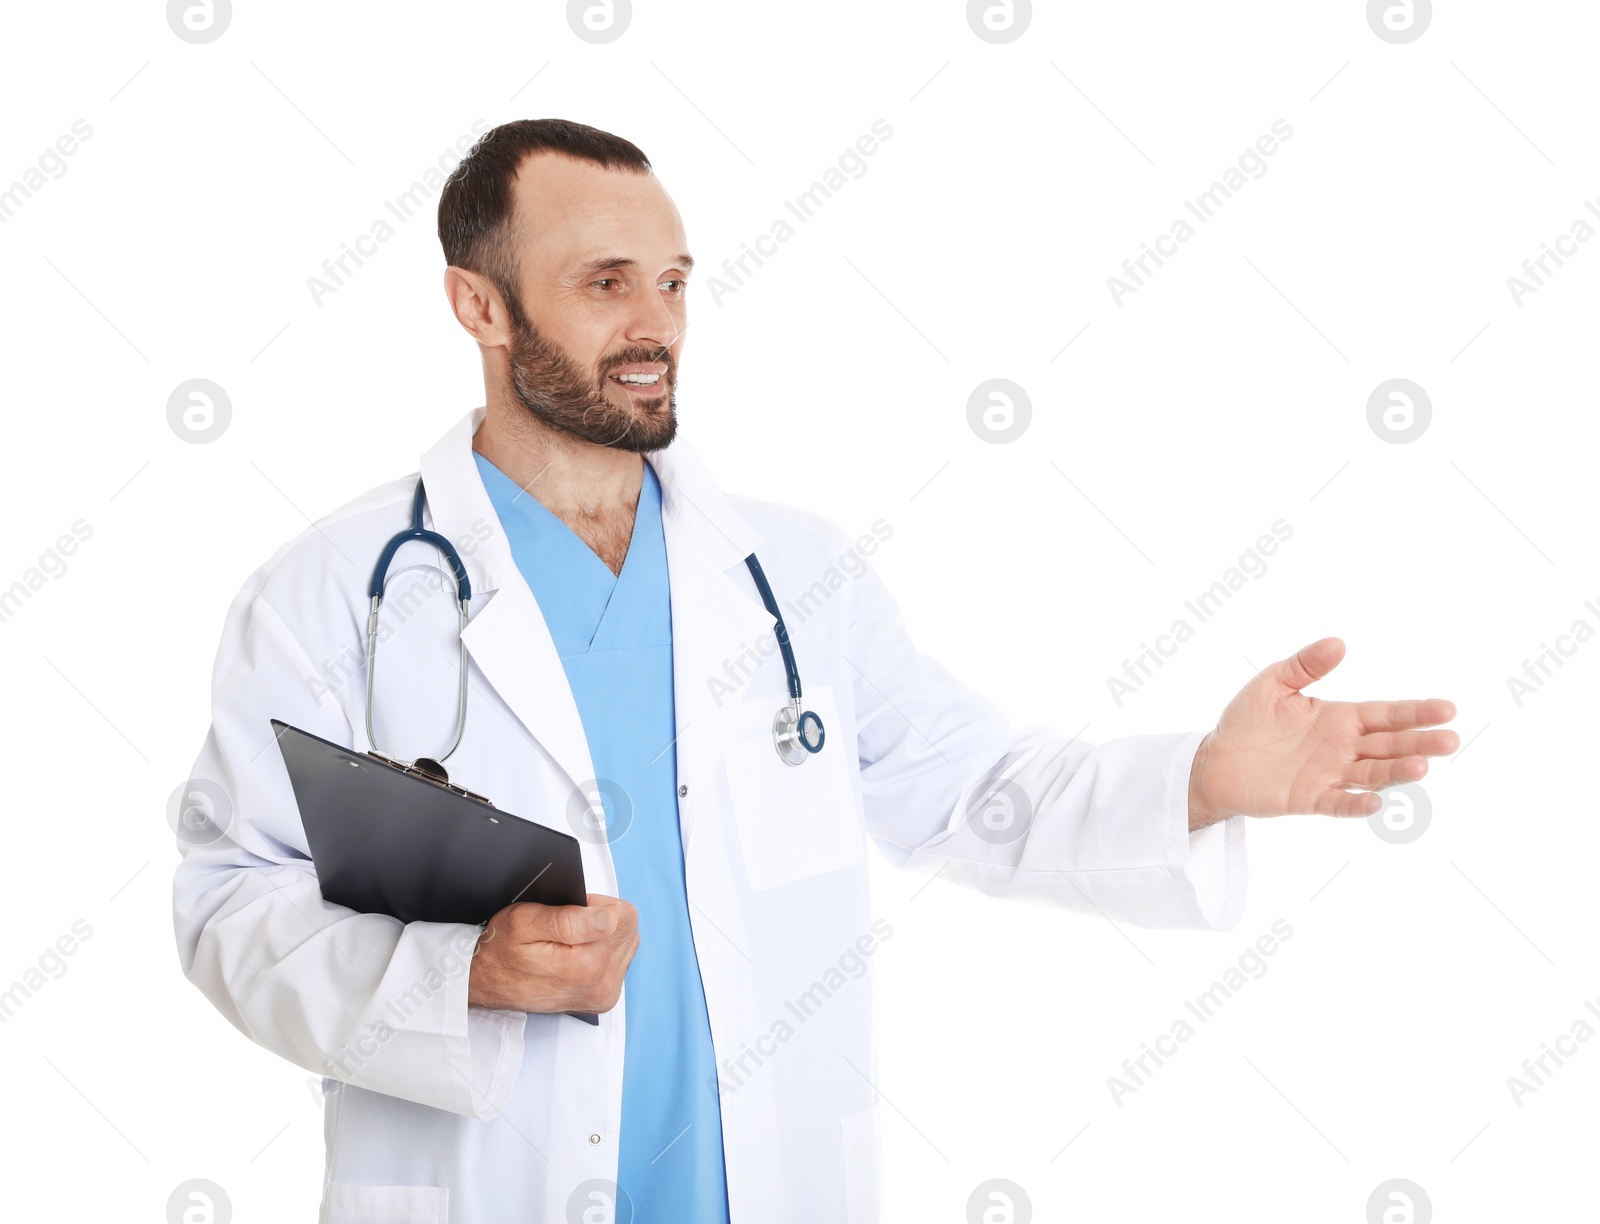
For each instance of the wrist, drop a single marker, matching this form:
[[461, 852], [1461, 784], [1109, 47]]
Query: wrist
[[1201, 811]]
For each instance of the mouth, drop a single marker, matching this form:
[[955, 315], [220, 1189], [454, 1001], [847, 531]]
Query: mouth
[[644, 381]]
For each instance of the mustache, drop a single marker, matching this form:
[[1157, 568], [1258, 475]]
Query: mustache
[[641, 355]]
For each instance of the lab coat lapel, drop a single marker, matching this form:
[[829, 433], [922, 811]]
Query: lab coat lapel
[[717, 621], [507, 636], [511, 644], [716, 613]]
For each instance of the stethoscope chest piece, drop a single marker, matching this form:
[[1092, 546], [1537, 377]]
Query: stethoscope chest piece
[[797, 733]]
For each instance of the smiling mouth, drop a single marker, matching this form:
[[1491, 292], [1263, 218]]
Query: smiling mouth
[[638, 384]]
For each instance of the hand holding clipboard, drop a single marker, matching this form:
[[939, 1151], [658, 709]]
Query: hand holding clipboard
[[388, 840]]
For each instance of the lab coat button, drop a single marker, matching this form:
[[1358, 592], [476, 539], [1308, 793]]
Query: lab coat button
[[594, 1139], [683, 790]]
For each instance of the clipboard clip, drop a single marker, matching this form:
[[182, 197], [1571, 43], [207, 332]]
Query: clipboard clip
[[429, 770]]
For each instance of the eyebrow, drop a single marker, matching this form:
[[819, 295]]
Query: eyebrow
[[684, 261]]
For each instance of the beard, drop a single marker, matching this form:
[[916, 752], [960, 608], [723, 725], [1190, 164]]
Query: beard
[[557, 392]]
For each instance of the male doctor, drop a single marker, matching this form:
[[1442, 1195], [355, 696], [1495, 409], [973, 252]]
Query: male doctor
[[623, 680]]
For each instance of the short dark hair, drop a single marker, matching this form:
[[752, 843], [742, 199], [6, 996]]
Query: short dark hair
[[475, 208]]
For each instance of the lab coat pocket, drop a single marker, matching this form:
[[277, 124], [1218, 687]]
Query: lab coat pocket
[[794, 821], [349, 1204], [859, 1133]]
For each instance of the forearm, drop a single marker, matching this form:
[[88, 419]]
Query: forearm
[[357, 997]]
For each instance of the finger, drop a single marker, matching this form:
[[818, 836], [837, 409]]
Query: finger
[[627, 916], [1403, 715], [1308, 664], [567, 924], [1387, 745], [1347, 803], [1375, 775]]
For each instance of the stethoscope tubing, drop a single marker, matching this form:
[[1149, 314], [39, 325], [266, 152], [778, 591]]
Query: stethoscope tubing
[[798, 733]]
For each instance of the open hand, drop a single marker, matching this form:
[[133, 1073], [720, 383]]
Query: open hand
[[1276, 752]]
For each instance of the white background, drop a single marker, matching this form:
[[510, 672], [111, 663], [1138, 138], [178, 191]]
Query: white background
[[1230, 391]]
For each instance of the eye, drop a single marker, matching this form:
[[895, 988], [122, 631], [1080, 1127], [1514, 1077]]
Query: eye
[[605, 280], [677, 285]]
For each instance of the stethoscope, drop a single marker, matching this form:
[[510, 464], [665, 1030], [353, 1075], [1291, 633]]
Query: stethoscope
[[797, 733]]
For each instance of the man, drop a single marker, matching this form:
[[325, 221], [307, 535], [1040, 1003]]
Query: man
[[623, 680]]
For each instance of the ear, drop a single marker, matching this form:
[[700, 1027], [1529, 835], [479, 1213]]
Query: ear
[[478, 306]]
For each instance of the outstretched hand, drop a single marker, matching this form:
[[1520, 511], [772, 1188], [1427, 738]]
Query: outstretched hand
[[1277, 752]]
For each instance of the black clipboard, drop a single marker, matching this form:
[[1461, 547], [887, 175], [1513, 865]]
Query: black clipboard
[[386, 840]]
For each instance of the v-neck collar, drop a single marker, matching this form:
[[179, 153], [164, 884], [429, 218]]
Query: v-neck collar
[[576, 590]]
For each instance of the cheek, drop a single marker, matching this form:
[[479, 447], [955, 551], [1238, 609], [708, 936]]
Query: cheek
[[582, 330]]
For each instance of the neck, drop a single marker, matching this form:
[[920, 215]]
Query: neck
[[576, 481], [593, 489]]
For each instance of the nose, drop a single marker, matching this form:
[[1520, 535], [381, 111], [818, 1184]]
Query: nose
[[655, 323]]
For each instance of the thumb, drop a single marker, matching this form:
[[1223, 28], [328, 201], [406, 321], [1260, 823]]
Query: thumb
[[1307, 665], [572, 924]]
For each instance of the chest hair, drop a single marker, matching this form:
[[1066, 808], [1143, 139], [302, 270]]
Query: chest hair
[[607, 535]]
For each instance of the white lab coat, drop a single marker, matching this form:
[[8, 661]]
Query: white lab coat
[[436, 1111]]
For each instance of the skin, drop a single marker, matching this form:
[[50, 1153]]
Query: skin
[[569, 215], [554, 958], [602, 275], [1277, 752]]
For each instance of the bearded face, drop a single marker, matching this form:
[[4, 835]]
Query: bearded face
[[628, 401]]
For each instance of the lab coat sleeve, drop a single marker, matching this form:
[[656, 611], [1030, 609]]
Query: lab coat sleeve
[[357, 997], [949, 786]]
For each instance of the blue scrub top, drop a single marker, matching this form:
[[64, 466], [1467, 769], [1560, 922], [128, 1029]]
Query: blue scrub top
[[614, 636]]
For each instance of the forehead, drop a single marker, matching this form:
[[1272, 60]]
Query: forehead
[[570, 210]]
